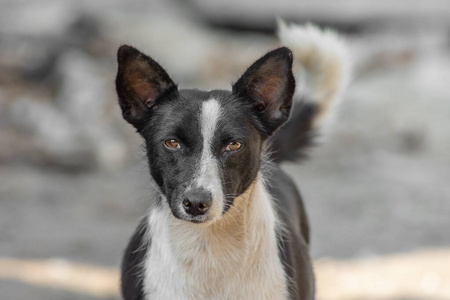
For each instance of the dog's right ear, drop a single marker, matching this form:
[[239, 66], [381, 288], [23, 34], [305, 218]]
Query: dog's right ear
[[140, 82]]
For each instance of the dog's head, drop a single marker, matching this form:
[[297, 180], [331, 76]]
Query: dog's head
[[204, 148]]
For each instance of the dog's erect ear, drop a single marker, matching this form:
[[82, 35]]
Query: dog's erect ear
[[140, 82], [269, 86]]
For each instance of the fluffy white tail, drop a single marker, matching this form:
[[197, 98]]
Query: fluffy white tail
[[324, 57], [322, 63]]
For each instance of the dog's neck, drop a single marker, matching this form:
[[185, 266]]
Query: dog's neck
[[250, 219], [215, 257]]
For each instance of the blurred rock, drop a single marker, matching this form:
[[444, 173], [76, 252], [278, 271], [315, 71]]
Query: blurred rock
[[57, 77], [82, 93], [34, 37], [86, 98], [59, 104], [350, 16], [76, 129], [50, 136]]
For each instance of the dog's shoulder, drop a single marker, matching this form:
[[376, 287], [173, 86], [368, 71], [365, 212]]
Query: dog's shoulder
[[288, 201], [133, 263], [293, 238]]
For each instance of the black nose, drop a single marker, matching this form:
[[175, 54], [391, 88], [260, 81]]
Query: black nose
[[197, 202]]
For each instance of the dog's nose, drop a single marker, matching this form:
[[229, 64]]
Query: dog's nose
[[197, 202]]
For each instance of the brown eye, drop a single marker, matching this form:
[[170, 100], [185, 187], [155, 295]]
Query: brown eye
[[234, 146], [172, 144]]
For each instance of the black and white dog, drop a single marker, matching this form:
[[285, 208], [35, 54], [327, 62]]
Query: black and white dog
[[226, 222]]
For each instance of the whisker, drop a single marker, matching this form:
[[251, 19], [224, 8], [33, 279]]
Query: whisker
[[228, 212], [232, 206]]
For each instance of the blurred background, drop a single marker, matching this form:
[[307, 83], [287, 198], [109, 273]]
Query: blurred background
[[73, 182]]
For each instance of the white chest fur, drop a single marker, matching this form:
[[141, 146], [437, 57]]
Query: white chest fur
[[233, 258]]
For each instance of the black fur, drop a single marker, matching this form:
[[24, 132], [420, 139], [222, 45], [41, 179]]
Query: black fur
[[296, 136], [132, 263], [259, 103], [294, 241]]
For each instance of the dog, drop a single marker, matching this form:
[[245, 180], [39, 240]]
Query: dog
[[225, 221]]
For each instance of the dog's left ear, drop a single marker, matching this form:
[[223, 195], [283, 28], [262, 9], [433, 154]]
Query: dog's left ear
[[140, 82], [269, 86]]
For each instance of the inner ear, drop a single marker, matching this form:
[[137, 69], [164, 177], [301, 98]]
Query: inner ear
[[269, 86], [140, 82]]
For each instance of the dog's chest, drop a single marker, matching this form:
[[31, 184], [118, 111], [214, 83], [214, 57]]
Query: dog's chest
[[187, 261]]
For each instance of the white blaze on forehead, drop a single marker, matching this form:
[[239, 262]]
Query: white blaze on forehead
[[208, 176]]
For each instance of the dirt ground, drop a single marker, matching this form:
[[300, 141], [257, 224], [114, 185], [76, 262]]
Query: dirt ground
[[417, 275]]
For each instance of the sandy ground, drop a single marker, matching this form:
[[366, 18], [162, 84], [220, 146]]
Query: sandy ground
[[418, 275]]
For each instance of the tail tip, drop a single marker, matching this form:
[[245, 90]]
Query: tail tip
[[325, 44], [324, 56]]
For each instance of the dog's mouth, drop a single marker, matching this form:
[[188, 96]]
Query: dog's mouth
[[196, 220]]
